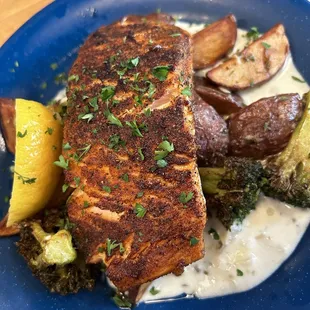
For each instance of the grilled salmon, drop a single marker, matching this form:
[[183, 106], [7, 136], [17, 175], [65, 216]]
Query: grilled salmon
[[130, 153]]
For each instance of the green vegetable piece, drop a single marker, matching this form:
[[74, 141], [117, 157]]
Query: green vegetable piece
[[57, 248], [139, 210], [193, 241], [161, 72]]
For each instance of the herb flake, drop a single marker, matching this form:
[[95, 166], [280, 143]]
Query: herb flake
[[22, 135], [62, 163], [193, 241], [139, 210], [185, 198]]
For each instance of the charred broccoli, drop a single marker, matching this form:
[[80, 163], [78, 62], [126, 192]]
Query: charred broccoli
[[288, 173], [52, 257], [233, 189]]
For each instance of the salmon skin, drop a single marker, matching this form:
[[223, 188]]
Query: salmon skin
[[129, 144]]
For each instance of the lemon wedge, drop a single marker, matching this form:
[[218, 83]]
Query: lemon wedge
[[38, 145]]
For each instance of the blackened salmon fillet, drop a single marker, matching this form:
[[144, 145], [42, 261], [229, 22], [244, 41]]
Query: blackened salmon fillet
[[129, 142]]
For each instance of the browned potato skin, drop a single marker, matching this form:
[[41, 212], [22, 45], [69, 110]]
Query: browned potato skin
[[211, 133], [156, 17], [7, 120], [7, 231], [265, 127], [223, 103], [214, 42], [256, 63]]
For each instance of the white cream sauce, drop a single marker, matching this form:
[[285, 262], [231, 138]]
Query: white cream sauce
[[265, 239]]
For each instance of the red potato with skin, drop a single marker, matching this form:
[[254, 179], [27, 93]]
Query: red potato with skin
[[223, 103], [264, 127], [211, 133], [214, 42], [256, 64]]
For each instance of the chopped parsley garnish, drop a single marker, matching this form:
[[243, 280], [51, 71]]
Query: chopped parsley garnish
[[147, 112], [66, 146], [85, 204], [49, 130], [140, 153], [253, 34], [266, 45], [136, 128], [25, 180], [239, 273], [129, 64], [266, 126], [113, 120], [60, 78], [185, 198], [138, 100], [177, 34], [193, 241], [62, 163], [125, 177], [122, 72], [54, 66], [107, 93], [134, 61], [139, 210], [136, 76], [154, 291], [295, 78], [84, 151], [107, 189], [186, 91], [140, 194], [111, 245], [22, 135], [100, 249], [115, 142], [43, 85], [86, 116], [163, 149], [73, 77], [151, 89], [121, 302], [161, 163], [161, 72], [93, 102], [214, 234], [77, 181]]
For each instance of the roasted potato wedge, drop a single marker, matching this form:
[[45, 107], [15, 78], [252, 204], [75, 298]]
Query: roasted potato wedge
[[264, 127], [256, 64], [211, 133], [7, 120], [214, 42], [224, 103], [7, 231]]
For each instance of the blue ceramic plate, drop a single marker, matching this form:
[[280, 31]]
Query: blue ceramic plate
[[54, 35]]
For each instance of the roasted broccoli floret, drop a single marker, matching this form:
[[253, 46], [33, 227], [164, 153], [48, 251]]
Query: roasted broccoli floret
[[232, 190], [288, 174], [57, 249], [52, 258]]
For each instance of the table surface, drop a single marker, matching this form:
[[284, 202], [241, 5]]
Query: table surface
[[14, 13]]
